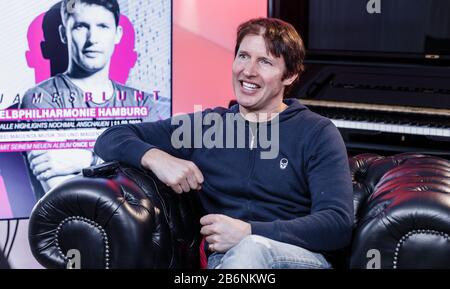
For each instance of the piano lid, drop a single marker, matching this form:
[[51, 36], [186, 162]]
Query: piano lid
[[397, 31], [410, 89]]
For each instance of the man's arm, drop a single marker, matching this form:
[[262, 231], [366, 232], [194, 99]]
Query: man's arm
[[128, 143], [329, 226], [149, 146], [53, 167]]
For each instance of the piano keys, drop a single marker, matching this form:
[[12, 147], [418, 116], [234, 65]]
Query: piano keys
[[383, 118]]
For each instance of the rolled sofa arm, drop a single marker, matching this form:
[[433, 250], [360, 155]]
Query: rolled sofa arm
[[405, 220], [121, 218]]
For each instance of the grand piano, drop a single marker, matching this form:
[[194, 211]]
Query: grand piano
[[381, 74]]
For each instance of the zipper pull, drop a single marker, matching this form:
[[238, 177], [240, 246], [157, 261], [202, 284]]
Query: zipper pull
[[252, 142]]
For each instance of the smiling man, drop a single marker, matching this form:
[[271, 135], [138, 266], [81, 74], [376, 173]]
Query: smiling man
[[281, 212], [90, 30]]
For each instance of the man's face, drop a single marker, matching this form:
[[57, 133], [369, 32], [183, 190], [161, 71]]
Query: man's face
[[257, 76], [91, 35]]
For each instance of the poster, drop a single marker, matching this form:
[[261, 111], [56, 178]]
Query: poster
[[66, 76]]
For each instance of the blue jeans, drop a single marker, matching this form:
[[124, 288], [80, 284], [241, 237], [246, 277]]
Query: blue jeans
[[257, 252]]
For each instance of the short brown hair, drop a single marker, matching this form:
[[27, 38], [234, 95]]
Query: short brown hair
[[110, 5], [281, 40]]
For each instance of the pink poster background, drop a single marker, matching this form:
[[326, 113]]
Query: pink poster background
[[123, 59]]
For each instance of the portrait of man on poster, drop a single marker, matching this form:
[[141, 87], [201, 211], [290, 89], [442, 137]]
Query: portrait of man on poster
[[91, 30]]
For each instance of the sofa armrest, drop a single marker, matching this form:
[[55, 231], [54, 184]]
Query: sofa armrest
[[405, 219], [124, 218]]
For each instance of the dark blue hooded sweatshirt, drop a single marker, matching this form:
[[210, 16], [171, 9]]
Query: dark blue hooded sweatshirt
[[303, 196]]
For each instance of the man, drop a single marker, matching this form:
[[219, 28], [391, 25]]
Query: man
[[277, 212], [91, 30]]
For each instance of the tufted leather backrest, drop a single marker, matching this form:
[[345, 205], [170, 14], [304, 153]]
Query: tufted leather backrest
[[403, 210], [361, 190]]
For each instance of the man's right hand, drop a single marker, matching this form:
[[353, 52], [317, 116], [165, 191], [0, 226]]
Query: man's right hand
[[180, 175]]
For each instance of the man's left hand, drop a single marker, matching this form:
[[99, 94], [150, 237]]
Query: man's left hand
[[223, 232]]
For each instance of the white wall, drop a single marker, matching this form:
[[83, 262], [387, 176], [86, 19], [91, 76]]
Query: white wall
[[21, 256]]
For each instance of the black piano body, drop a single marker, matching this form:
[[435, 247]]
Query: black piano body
[[382, 109], [382, 78]]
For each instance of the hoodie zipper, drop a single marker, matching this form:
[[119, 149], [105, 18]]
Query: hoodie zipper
[[253, 152], [252, 142]]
